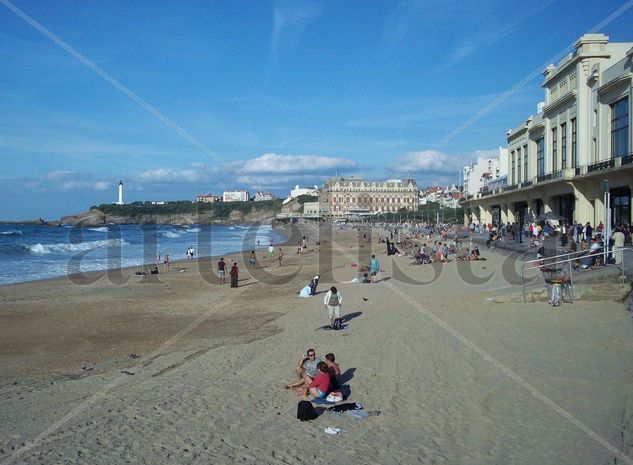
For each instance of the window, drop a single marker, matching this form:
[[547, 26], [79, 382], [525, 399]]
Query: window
[[519, 177], [574, 149], [621, 206], [554, 149], [525, 163], [620, 128], [540, 156], [513, 167], [563, 145]]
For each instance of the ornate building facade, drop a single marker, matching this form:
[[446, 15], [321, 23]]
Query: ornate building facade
[[344, 196]]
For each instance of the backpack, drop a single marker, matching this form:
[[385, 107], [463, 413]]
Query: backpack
[[305, 411], [333, 301], [337, 324]]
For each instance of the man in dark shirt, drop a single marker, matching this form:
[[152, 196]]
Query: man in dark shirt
[[222, 271]]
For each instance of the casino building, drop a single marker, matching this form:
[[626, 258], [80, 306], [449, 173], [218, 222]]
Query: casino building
[[577, 146]]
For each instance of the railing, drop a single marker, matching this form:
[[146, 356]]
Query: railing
[[568, 258], [601, 165]]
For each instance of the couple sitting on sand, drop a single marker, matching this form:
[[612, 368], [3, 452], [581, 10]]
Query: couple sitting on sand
[[316, 377]]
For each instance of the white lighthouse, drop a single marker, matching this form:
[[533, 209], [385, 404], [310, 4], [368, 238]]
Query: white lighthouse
[[120, 201]]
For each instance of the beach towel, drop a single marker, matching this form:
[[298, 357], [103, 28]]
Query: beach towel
[[319, 400], [305, 292]]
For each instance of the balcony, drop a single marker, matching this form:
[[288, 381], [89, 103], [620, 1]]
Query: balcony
[[601, 165], [591, 169]]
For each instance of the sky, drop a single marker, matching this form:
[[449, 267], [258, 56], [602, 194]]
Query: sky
[[184, 98]]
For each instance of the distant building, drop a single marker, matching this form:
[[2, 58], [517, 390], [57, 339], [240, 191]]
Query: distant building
[[208, 198], [346, 196], [297, 191], [235, 196], [311, 210], [261, 196], [478, 175]]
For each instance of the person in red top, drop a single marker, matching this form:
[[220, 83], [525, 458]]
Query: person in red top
[[321, 384]]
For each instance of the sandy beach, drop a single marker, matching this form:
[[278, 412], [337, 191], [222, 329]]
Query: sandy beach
[[457, 378]]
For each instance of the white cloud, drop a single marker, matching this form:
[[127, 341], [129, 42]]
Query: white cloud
[[189, 175], [59, 174], [293, 164], [436, 164]]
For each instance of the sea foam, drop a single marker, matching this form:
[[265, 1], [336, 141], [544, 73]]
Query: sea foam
[[80, 246]]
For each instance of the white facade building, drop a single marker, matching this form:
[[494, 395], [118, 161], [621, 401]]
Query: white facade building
[[577, 145], [298, 190], [479, 174], [261, 196], [235, 196]]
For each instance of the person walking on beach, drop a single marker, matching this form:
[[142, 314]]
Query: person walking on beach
[[234, 274], [333, 301], [222, 271], [280, 256], [271, 251], [374, 268], [252, 259], [166, 263]]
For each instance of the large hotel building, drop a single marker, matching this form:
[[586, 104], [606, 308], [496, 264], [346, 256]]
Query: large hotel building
[[576, 147], [341, 197]]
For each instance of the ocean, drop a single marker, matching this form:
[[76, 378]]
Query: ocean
[[35, 252]]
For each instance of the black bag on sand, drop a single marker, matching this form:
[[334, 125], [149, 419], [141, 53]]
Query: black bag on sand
[[337, 324], [305, 411]]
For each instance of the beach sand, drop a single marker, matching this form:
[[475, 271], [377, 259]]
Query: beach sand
[[457, 378]]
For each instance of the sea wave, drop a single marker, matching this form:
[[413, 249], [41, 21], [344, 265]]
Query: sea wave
[[16, 232], [170, 234], [81, 246], [194, 230], [101, 229]]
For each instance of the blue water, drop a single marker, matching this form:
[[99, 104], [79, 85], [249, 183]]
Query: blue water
[[34, 252]]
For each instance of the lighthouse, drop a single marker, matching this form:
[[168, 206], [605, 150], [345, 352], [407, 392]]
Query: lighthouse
[[120, 201]]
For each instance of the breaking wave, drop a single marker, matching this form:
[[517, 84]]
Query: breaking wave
[[81, 246]]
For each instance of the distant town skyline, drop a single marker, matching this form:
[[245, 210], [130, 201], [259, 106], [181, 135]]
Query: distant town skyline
[[200, 98]]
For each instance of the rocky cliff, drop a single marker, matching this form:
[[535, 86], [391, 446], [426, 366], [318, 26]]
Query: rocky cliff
[[96, 217]]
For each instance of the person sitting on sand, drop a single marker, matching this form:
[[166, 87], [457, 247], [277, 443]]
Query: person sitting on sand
[[334, 370], [462, 254], [439, 255], [320, 386], [306, 369], [314, 282]]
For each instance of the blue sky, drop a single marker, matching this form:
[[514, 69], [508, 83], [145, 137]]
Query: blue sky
[[278, 92]]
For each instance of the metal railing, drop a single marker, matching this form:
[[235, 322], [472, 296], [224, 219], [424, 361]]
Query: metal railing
[[545, 263]]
